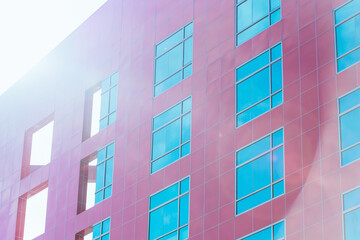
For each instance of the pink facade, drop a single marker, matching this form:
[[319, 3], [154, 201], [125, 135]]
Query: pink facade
[[121, 37]]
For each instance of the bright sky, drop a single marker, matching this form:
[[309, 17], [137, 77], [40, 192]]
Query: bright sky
[[31, 29]]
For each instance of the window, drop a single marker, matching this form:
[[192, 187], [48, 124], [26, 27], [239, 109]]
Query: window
[[101, 103], [351, 214], [349, 115], [169, 212], [260, 172], [347, 26], [104, 173], [101, 230], [171, 135], [32, 213], [173, 59], [259, 85], [274, 232], [254, 16], [37, 146]]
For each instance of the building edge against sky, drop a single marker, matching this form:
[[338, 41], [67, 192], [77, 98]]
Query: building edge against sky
[[156, 118]]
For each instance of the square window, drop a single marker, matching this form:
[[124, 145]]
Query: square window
[[37, 146], [101, 104], [347, 27], [96, 178], [351, 214], [171, 135], [169, 212], [254, 16], [31, 216], [349, 114], [173, 59], [273, 232], [260, 172], [259, 85]]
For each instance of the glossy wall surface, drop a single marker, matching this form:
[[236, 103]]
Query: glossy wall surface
[[121, 36]]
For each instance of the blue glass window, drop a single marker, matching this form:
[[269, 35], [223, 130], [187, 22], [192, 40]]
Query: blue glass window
[[254, 16], [108, 100], [274, 232], [347, 31], [349, 115], [104, 172], [260, 172], [171, 135], [169, 213], [351, 214], [259, 85], [101, 230], [173, 59]]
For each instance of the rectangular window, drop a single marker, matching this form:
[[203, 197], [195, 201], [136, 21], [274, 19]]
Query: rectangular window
[[104, 173], [347, 32], [101, 230], [173, 59], [171, 135], [260, 172], [101, 104], [259, 85], [274, 232], [169, 212], [254, 16], [351, 214], [31, 216], [349, 115]]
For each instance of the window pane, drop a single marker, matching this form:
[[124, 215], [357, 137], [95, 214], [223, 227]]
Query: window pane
[[169, 63], [276, 99], [244, 179], [279, 231], [169, 42], [167, 116], [101, 155], [171, 236], [262, 235], [110, 150], [350, 128], [186, 104], [113, 99], [164, 196], [253, 150], [188, 50], [189, 30], [165, 160], [187, 71], [278, 189], [349, 60], [184, 186], [261, 172], [350, 155], [352, 222], [253, 112], [107, 192], [168, 83], [114, 79], [184, 233], [99, 196], [349, 101], [260, 9], [105, 237], [253, 200], [100, 176], [156, 223], [185, 131], [274, 4], [275, 52], [185, 149], [352, 199], [184, 210], [170, 216], [109, 172], [253, 31], [166, 139], [347, 10], [252, 66], [105, 84], [244, 15], [276, 76], [275, 17], [278, 164], [345, 37], [277, 137], [97, 230], [104, 104]]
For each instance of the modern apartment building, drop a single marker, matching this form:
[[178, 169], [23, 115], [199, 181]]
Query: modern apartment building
[[189, 119]]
